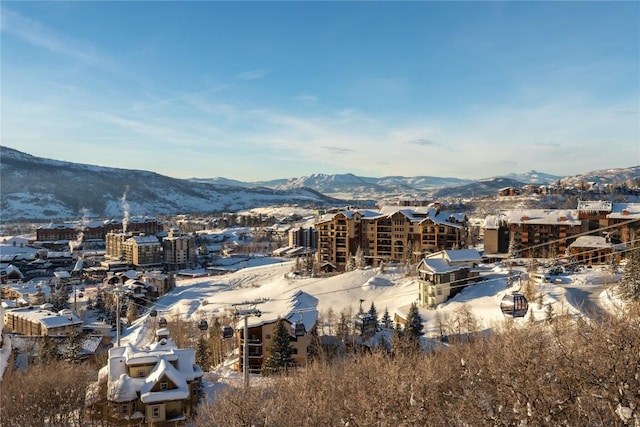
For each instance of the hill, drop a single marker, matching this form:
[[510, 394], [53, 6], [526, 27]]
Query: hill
[[39, 189]]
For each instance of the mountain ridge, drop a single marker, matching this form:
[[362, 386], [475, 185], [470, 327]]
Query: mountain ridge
[[38, 189]]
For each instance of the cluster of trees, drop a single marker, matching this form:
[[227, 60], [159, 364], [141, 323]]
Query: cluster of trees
[[572, 372]]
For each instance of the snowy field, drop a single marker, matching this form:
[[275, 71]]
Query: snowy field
[[393, 289]]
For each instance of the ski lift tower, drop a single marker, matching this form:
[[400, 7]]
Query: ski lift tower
[[248, 310], [118, 291]]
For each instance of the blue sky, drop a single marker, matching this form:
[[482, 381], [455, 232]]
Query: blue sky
[[265, 90]]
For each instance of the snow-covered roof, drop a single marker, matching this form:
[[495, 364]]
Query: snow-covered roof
[[594, 206], [540, 216], [625, 211], [162, 369], [62, 274], [595, 242], [145, 240], [438, 266], [29, 288], [299, 306], [178, 365], [47, 318], [463, 255]]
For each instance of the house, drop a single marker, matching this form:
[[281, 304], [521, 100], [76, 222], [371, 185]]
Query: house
[[443, 274], [300, 309], [26, 293], [159, 283], [10, 273], [158, 385]]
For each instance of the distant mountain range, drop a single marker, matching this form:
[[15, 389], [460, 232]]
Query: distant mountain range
[[39, 189]]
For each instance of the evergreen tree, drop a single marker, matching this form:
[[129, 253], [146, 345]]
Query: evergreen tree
[[386, 319], [48, 350], [414, 327], [203, 354], [60, 299], [629, 287], [314, 351], [132, 312], [398, 344], [373, 312], [513, 251], [342, 331], [74, 347], [280, 353]]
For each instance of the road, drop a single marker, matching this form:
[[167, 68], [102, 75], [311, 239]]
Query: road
[[587, 298]]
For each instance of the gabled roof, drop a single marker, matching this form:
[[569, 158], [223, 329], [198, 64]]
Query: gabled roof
[[463, 255], [161, 370], [438, 266]]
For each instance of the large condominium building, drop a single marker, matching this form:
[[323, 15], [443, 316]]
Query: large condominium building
[[304, 236], [542, 233], [178, 251], [141, 250], [389, 234], [547, 233]]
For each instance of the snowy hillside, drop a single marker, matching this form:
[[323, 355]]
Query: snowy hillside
[[41, 189], [392, 289]]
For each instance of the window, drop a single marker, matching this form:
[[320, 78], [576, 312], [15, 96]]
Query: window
[[156, 412], [164, 385], [268, 336], [125, 409], [140, 374]]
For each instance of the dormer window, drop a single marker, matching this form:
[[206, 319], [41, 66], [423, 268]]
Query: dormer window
[[164, 385]]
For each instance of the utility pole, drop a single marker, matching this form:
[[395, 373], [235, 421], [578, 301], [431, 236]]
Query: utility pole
[[245, 313]]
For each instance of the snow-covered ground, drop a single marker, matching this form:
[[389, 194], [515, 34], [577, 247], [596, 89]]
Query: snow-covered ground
[[392, 289]]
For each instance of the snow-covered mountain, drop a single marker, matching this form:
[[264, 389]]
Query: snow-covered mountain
[[38, 189], [350, 186], [616, 176], [34, 188], [533, 177]]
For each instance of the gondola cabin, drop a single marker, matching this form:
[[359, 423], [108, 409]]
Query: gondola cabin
[[226, 332], [514, 305], [203, 325], [162, 322]]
